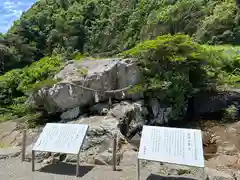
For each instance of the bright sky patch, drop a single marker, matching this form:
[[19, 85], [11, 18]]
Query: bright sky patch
[[11, 10]]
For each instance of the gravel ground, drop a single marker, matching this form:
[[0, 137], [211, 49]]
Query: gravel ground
[[14, 169]]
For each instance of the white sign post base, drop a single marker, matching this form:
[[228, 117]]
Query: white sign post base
[[61, 138], [171, 145]]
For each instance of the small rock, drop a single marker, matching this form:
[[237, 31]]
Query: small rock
[[183, 171], [28, 159], [15, 155], [155, 106], [230, 149], [51, 161], [56, 155], [105, 158], [231, 130], [69, 62], [70, 114], [159, 112], [173, 172], [100, 109], [71, 158], [99, 162], [218, 175], [91, 161], [135, 149], [47, 161], [62, 157], [128, 115]]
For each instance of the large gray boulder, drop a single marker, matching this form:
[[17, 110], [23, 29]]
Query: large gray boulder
[[214, 102], [102, 75]]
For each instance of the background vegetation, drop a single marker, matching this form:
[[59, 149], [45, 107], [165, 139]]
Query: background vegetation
[[16, 87], [177, 68], [111, 26]]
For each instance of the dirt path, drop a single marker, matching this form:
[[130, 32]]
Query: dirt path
[[227, 159], [13, 169]]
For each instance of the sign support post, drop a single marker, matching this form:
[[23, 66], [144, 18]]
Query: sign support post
[[114, 151], [24, 138], [138, 169], [33, 160], [77, 170]]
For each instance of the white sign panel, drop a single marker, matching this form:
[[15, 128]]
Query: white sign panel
[[63, 138], [172, 145]]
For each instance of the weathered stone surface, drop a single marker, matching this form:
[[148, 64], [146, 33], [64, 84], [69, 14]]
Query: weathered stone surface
[[210, 102], [103, 75], [100, 109], [128, 73], [218, 175], [105, 158], [155, 106], [129, 115], [122, 110], [100, 129], [159, 112], [98, 144], [70, 114], [129, 111]]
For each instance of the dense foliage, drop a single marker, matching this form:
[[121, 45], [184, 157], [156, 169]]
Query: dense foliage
[[16, 86], [176, 64], [111, 26], [177, 67]]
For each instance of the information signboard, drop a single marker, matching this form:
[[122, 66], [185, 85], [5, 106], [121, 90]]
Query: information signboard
[[171, 145], [61, 138]]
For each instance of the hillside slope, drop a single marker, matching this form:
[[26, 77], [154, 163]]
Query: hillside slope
[[110, 26]]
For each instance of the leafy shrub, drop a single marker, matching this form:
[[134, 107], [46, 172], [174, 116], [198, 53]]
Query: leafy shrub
[[32, 119], [78, 56], [225, 63], [221, 26], [6, 117], [9, 83], [230, 113], [17, 85], [178, 67], [39, 71], [47, 83]]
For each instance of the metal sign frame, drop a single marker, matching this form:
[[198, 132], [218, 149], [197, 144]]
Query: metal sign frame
[[78, 154], [139, 159]]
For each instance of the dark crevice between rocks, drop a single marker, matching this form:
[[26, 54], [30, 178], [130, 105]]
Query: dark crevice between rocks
[[49, 118]]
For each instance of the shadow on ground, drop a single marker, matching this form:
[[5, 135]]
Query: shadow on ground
[[66, 169], [157, 177]]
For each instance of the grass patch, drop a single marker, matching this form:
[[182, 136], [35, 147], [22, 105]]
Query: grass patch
[[6, 117], [83, 71], [2, 145]]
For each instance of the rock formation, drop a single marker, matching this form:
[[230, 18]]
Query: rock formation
[[87, 82]]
